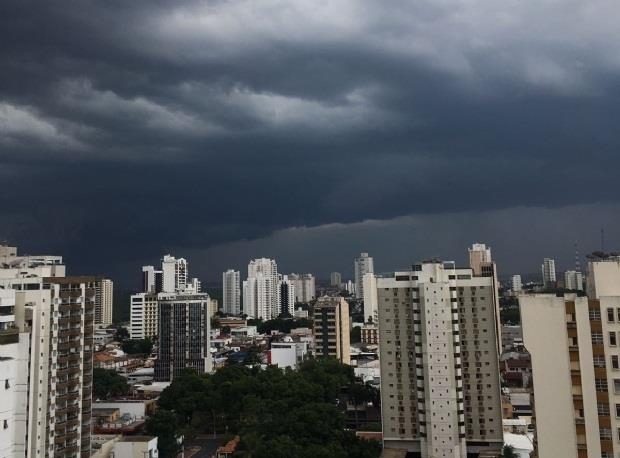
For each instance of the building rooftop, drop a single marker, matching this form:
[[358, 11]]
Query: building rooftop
[[137, 438]]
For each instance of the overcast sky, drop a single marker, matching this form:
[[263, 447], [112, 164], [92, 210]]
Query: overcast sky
[[308, 131]]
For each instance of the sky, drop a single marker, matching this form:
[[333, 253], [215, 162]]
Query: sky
[[308, 131]]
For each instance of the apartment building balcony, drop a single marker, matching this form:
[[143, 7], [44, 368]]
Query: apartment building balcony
[[74, 358], [9, 336], [63, 321], [76, 319], [73, 332], [66, 345]]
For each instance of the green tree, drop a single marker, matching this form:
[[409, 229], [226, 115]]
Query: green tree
[[164, 425], [108, 384], [508, 451], [121, 334], [137, 346]]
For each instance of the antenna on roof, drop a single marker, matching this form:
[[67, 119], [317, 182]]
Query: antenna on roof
[[577, 263], [603, 240]]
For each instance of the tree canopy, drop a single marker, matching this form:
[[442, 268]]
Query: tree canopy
[[137, 346], [276, 413], [108, 384]]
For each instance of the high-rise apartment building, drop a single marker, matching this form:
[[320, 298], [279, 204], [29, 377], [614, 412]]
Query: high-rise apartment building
[[516, 285], [439, 352], [305, 287], [479, 255], [574, 345], [52, 387], [371, 311], [183, 332], [548, 273], [231, 280], [362, 265], [104, 296], [335, 279], [331, 329], [573, 280], [260, 298], [144, 316], [286, 296]]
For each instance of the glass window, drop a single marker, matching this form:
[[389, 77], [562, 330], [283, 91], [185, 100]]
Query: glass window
[[597, 337], [603, 409], [617, 386], [614, 362], [612, 338], [610, 315]]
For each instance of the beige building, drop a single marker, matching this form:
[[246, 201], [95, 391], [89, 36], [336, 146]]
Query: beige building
[[440, 388], [331, 328], [144, 316], [104, 291]]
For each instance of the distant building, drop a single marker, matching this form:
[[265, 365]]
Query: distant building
[[305, 287], [548, 273], [104, 292], [363, 264], [516, 284], [370, 298], [331, 328], [573, 280], [335, 279], [286, 297], [136, 447], [183, 332], [144, 316], [172, 277], [288, 353], [260, 296], [479, 254], [231, 287], [370, 334]]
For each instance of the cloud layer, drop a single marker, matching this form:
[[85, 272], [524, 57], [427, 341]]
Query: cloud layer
[[134, 127]]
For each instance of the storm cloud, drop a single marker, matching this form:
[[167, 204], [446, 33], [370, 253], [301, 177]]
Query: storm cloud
[[206, 127]]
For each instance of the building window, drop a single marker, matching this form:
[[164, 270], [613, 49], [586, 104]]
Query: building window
[[6, 424], [617, 410], [600, 384], [594, 314], [618, 312], [603, 409], [612, 339], [616, 386], [605, 433], [599, 361], [610, 315], [597, 337], [614, 362]]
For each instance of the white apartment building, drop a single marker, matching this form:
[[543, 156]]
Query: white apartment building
[[363, 264], [335, 279], [104, 296], [516, 285], [603, 276], [143, 316], [305, 287], [371, 311], [54, 316], [231, 280], [440, 387], [573, 280], [260, 298], [479, 254], [548, 273]]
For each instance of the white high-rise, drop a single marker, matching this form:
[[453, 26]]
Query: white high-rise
[[370, 298], [260, 299], [46, 335], [174, 274], [573, 280], [516, 284], [548, 273], [305, 287], [335, 279], [362, 265], [231, 292]]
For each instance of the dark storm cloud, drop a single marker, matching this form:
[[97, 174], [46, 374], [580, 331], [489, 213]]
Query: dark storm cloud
[[134, 127]]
